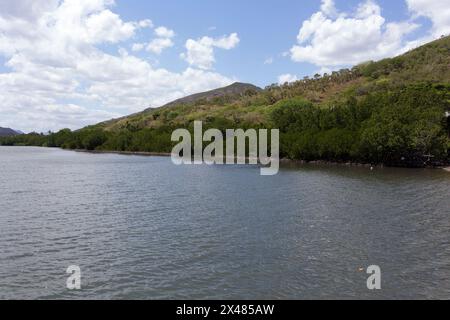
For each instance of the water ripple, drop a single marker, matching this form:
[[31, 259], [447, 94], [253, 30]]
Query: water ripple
[[142, 228]]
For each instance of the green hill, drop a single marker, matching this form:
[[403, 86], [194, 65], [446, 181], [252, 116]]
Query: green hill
[[150, 118], [391, 111]]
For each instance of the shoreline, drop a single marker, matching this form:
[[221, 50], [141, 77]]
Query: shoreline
[[283, 162], [125, 153], [330, 163]]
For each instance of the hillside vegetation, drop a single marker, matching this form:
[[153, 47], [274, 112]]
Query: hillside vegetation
[[391, 111]]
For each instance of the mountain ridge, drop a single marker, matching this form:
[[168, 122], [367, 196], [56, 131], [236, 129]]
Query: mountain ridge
[[233, 91], [8, 132]]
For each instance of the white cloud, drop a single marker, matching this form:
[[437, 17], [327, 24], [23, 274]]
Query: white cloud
[[200, 53], [349, 38], [328, 8], [158, 45], [227, 43], [163, 32], [147, 23], [138, 47], [438, 11], [106, 26], [287, 78], [268, 61], [41, 119], [28, 10], [57, 75], [161, 43]]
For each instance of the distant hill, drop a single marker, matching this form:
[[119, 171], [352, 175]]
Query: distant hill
[[232, 92], [7, 132], [226, 95]]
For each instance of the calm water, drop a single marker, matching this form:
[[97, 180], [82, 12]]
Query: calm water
[[142, 228]]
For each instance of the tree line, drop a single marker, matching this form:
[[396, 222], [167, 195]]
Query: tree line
[[405, 126]]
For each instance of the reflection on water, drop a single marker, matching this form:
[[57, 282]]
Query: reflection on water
[[142, 228]]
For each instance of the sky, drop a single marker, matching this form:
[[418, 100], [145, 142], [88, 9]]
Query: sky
[[72, 63]]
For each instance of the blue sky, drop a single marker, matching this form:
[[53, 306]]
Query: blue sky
[[70, 63], [267, 29]]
